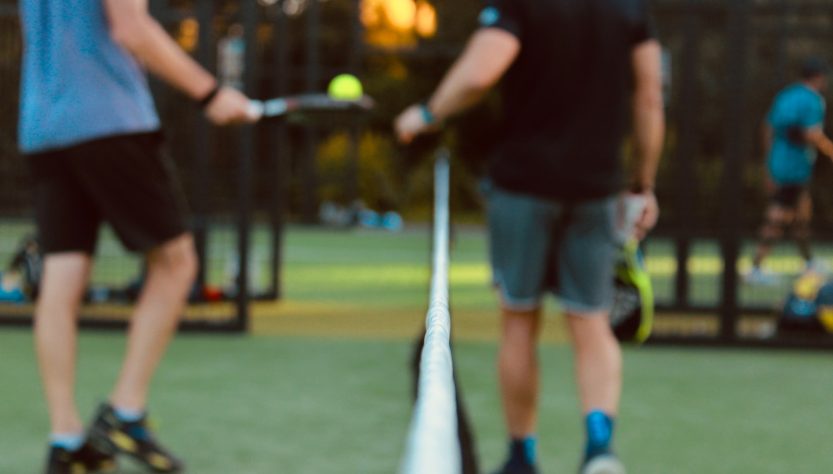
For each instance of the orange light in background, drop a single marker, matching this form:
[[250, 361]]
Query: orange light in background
[[398, 23], [370, 13], [426, 20], [189, 34], [401, 14]]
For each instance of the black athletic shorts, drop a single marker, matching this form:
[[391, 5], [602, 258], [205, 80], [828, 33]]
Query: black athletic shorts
[[788, 196], [127, 181]]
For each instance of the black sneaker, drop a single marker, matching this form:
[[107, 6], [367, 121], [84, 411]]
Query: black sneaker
[[606, 463], [134, 439], [87, 459], [517, 468]]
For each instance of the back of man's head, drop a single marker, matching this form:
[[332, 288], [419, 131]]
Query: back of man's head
[[814, 68]]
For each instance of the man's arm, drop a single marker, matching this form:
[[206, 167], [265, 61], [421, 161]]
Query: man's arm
[[817, 138], [648, 127], [648, 114], [132, 27], [487, 57]]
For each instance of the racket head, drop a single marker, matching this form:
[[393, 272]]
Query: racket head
[[632, 313]]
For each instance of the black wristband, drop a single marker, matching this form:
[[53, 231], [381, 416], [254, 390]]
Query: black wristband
[[209, 97], [639, 188]]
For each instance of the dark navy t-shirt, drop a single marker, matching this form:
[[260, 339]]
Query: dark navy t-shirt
[[567, 97]]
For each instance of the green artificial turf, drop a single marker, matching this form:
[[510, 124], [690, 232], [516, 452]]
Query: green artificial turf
[[298, 405], [337, 401]]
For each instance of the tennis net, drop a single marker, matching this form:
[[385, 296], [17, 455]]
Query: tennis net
[[433, 446]]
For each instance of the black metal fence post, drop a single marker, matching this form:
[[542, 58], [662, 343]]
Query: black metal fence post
[[731, 228], [686, 152], [309, 173], [245, 179], [356, 128], [202, 142], [280, 148]]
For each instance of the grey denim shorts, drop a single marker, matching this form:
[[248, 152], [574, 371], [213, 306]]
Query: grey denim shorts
[[540, 246]]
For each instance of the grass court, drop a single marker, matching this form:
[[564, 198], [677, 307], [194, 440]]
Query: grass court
[[322, 383]]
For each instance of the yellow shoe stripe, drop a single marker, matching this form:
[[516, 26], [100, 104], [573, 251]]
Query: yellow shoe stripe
[[123, 442]]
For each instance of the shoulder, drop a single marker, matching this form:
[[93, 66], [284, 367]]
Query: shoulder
[[808, 97], [792, 94]]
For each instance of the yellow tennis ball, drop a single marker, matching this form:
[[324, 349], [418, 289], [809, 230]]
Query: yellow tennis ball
[[345, 87]]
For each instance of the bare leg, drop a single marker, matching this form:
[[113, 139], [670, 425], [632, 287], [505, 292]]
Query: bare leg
[[801, 232], [518, 370], [64, 279], [773, 229], [171, 269], [598, 362]]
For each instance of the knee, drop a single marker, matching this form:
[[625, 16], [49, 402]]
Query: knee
[[177, 258], [773, 229], [591, 330], [802, 233], [521, 327]]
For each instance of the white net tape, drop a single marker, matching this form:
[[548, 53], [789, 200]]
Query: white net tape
[[433, 446]]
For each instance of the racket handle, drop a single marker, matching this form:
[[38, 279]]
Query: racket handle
[[256, 109]]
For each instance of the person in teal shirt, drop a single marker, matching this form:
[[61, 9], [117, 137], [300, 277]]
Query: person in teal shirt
[[793, 135]]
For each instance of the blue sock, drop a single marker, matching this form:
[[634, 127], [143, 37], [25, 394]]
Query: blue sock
[[127, 415], [68, 441], [523, 450], [599, 427], [132, 416]]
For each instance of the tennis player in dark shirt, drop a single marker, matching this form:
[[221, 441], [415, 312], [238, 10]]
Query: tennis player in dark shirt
[[573, 74]]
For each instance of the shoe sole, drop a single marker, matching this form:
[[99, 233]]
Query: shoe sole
[[604, 465], [117, 443]]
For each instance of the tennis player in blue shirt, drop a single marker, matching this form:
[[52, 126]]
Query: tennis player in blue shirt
[[90, 132], [793, 134]]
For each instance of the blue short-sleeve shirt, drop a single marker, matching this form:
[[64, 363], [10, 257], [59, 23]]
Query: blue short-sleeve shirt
[[78, 84], [795, 110]]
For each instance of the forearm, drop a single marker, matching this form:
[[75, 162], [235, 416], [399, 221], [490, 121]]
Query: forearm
[[818, 139], [649, 133], [456, 93], [145, 39], [825, 146], [488, 55]]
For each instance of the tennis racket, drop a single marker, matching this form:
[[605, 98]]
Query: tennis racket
[[307, 103], [632, 316]]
